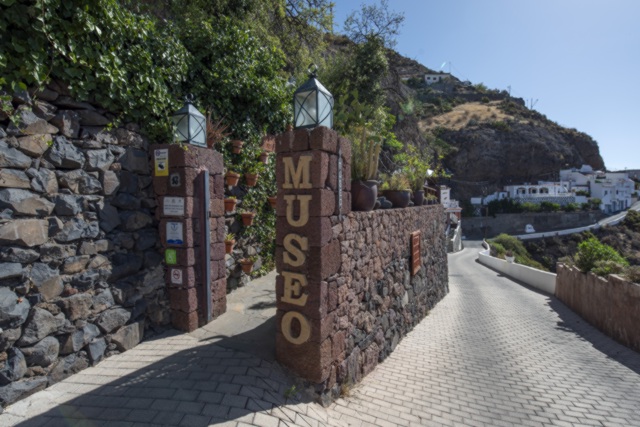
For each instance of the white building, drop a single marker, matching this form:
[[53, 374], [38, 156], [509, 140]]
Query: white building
[[554, 192], [435, 78], [450, 205], [614, 189]]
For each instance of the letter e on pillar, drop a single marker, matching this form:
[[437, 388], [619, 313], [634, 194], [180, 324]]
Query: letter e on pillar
[[294, 284]]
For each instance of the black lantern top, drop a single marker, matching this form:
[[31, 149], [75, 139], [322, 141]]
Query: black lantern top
[[190, 124], [312, 103]]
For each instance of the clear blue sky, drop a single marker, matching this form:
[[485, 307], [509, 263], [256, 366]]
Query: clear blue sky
[[579, 58]]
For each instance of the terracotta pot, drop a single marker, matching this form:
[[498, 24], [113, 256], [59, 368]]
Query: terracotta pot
[[247, 218], [229, 204], [418, 198], [228, 246], [272, 201], [363, 195], [236, 145], [399, 198], [251, 179], [289, 127], [232, 178], [247, 265], [264, 157]]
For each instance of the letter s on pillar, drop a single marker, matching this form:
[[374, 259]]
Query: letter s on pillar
[[293, 255]]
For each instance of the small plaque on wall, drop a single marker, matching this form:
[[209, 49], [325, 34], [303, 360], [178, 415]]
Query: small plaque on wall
[[173, 206], [176, 276], [415, 252]]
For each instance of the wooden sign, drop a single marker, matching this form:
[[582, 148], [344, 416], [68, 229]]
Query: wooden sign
[[415, 252]]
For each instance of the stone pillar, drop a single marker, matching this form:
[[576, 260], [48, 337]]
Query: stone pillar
[[177, 175], [308, 251]]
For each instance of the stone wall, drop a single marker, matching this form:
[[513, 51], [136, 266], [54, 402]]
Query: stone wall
[[610, 304], [515, 223], [345, 291], [80, 273]]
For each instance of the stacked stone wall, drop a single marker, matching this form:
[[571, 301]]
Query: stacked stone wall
[[346, 294], [81, 277]]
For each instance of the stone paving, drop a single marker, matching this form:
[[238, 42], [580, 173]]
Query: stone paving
[[493, 352]]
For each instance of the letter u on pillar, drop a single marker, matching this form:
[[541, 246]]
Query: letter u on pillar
[[303, 218]]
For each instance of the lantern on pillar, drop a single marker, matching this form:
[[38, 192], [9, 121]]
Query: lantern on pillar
[[312, 103], [190, 125]]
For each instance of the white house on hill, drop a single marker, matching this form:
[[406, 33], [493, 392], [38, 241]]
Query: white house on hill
[[435, 77]]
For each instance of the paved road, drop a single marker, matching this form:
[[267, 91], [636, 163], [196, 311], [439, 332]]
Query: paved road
[[491, 353]]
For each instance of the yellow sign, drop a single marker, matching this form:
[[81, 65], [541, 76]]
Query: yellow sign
[[161, 162]]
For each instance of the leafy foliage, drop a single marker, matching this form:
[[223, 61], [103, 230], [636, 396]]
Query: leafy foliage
[[592, 251], [374, 20], [504, 243]]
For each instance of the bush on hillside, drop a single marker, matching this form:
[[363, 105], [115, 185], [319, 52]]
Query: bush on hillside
[[592, 251], [504, 243]]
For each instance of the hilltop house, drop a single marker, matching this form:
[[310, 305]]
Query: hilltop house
[[435, 77], [614, 190]]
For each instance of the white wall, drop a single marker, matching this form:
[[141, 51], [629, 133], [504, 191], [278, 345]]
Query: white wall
[[542, 280]]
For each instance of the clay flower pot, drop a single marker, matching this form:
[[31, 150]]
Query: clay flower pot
[[264, 157], [247, 218], [236, 146], [229, 204], [272, 201], [399, 198], [232, 178], [228, 246], [418, 198], [251, 179], [363, 195], [247, 265]]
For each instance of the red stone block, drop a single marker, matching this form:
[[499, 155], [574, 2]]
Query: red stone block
[[181, 182], [315, 306], [318, 230], [332, 177], [180, 277], [322, 203], [218, 308], [183, 299], [284, 142], [325, 139], [217, 207], [320, 262], [189, 230], [311, 361], [332, 297], [216, 186], [217, 251], [320, 328], [219, 289], [338, 346], [160, 185], [182, 321], [301, 140], [318, 167]]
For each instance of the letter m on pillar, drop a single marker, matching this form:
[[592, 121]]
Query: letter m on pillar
[[297, 176]]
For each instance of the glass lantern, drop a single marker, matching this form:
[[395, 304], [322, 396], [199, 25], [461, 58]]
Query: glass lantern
[[312, 104], [190, 125]]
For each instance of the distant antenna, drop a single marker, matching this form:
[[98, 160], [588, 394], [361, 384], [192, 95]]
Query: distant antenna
[[509, 87], [532, 103]]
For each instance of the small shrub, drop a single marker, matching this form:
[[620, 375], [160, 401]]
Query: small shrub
[[606, 267], [592, 250], [484, 100], [633, 273]]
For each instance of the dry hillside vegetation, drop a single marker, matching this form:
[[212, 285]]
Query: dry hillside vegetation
[[461, 115]]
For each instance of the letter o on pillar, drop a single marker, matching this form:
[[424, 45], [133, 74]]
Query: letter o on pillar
[[305, 329]]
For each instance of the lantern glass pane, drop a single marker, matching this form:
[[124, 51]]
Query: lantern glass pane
[[197, 131], [305, 109], [325, 110], [180, 122]]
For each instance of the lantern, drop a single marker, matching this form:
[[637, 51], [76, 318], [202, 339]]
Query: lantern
[[312, 104], [190, 125]]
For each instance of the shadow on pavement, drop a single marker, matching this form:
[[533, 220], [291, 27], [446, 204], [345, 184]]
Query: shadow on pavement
[[571, 322]]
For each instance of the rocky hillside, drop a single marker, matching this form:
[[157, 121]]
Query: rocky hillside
[[487, 139]]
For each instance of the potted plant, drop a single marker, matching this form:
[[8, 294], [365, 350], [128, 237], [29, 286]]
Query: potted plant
[[364, 168], [508, 255], [247, 264], [216, 131], [232, 178], [272, 201], [264, 157], [251, 175], [236, 146], [229, 242], [431, 199], [230, 203], [396, 188], [417, 170], [247, 218]]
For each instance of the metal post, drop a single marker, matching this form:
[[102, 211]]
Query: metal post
[[340, 178], [205, 242]]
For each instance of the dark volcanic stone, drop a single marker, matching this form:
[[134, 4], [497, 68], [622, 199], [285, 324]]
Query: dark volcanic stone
[[13, 310], [64, 154], [112, 319], [66, 367], [21, 389], [25, 256], [40, 324], [43, 353]]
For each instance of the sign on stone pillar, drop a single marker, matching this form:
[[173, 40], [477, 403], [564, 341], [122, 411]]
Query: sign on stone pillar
[[307, 253], [176, 171]]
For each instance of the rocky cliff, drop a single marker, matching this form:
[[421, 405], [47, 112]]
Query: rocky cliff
[[486, 138]]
